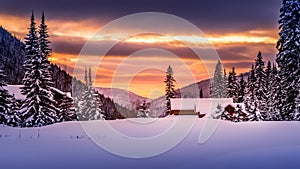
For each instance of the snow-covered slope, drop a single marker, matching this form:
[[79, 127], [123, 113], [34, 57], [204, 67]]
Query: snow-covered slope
[[233, 145], [122, 97]]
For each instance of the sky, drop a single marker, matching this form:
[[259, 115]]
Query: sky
[[237, 29]]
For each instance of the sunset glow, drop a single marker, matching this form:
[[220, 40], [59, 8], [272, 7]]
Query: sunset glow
[[68, 37]]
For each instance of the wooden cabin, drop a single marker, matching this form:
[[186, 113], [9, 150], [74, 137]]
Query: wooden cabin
[[197, 106]]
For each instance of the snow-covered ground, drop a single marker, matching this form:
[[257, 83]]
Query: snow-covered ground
[[233, 145]]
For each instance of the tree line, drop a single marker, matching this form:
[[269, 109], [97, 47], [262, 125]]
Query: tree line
[[271, 91], [40, 106]]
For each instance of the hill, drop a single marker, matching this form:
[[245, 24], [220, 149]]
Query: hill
[[123, 97], [244, 145]]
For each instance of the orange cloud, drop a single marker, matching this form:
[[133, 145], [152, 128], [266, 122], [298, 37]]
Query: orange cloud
[[237, 49]]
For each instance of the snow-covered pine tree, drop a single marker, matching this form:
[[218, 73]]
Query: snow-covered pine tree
[[43, 38], [103, 103], [242, 88], [5, 100], [31, 53], [228, 113], [89, 108], [240, 114], [297, 113], [218, 85], [260, 84], [143, 111], [225, 83], [269, 79], [288, 58], [251, 100], [66, 109], [251, 85], [170, 89], [38, 108], [275, 103], [13, 117], [218, 113], [232, 86], [268, 73]]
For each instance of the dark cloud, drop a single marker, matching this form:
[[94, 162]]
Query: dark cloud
[[209, 15], [126, 49], [67, 46]]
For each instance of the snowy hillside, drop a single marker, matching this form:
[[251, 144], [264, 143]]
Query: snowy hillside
[[122, 97], [233, 145]]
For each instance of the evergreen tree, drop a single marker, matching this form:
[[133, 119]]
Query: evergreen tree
[[5, 100], [268, 73], [218, 113], [170, 89], [242, 88], [275, 102], [201, 93], [228, 113], [240, 114], [43, 38], [66, 109], [251, 99], [225, 83], [38, 108], [143, 111], [288, 58], [13, 117], [255, 114], [31, 53], [218, 85], [232, 86], [297, 113], [260, 84], [89, 107]]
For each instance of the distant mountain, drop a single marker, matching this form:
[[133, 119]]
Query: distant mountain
[[122, 97], [12, 56]]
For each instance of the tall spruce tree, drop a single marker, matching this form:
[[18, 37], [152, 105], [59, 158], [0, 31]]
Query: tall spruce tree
[[288, 57], [232, 86], [89, 108], [242, 88], [268, 83], [225, 83], [218, 85], [275, 103], [38, 108], [260, 84], [43, 38], [268, 73], [170, 89], [251, 99]]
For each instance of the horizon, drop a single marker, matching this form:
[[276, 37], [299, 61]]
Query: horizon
[[237, 38]]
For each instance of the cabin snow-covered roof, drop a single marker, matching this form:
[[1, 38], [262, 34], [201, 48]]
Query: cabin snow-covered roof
[[199, 105]]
